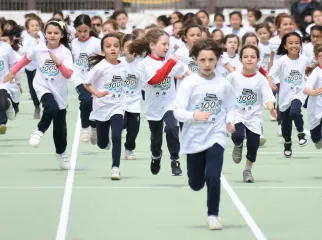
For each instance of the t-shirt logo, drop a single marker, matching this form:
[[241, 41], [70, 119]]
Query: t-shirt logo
[[49, 68], [82, 60], [1, 65], [248, 97], [130, 83], [115, 86], [193, 66], [265, 60], [294, 78], [211, 104], [164, 85]]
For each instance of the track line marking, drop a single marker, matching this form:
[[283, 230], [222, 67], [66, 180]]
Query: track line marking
[[64, 213], [242, 209]]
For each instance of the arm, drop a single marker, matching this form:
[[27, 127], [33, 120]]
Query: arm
[[66, 72], [263, 71], [89, 87], [271, 60], [163, 72], [313, 92], [229, 67], [230, 105]]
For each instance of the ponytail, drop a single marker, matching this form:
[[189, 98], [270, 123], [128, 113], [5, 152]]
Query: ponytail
[[139, 47], [94, 59], [310, 69]]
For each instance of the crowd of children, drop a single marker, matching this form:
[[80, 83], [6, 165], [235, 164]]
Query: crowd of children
[[214, 80]]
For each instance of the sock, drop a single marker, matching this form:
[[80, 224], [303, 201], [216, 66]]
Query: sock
[[248, 168]]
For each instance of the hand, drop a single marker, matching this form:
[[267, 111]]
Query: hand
[[175, 58], [273, 87], [9, 78], [101, 94], [179, 77], [230, 127], [54, 58], [308, 19], [201, 116], [318, 91], [176, 46], [20, 88], [273, 113]]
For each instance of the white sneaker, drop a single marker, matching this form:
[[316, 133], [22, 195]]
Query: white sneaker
[[129, 155], [214, 223], [35, 138], [11, 114], [64, 162], [115, 173], [84, 135], [93, 136], [262, 140], [279, 130]]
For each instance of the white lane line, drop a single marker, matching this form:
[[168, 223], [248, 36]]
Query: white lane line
[[243, 211], [64, 213]]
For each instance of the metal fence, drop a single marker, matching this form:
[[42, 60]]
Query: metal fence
[[136, 5]]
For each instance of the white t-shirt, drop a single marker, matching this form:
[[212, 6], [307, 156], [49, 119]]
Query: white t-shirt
[[240, 32], [127, 30], [292, 83], [48, 78], [274, 44], [107, 77], [265, 52], [81, 51], [159, 98], [132, 85], [174, 41], [314, 105], [252, 93], [223, 60], [217, 96], [308, 52]]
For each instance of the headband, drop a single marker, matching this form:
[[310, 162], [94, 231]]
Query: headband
[[60, 23]]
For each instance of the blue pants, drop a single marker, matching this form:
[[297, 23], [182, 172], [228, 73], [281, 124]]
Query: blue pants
[[85, 106], [132, 125], [316, 133], [4, 105], [205, 167]]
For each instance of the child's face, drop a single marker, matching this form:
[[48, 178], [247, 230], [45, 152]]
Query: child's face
[[219, 21], [316, 36], [317, 17], [293, 45], [111, 48], [231, 44], [287, 25], [218, 36], [161, 48], [177, 28], [235, 21], [203, 18], [33, 27], [263, 34], [319, 58], [251, 41], [53, 35], [251, 18], [83, 32], [206, 62], [249, 59], [97, 25], [108, 28], [121, 20], [193, 35], [173, 18]]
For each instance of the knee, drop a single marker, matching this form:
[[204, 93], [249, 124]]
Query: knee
[[295, 112], [196, 185], [251, 157], [237, 138], [102, 145], [172, 129]]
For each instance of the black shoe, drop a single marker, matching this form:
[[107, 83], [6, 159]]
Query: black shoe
[[155, 164], [175, 168], [302, 139], [288, 150]]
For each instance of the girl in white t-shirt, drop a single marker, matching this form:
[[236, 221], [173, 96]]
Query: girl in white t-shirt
[[313, 89], [315, 37], [264, 34], [205, 103], [54, 63], [290, 70], [253, 91], [105, 82], [160, 93], [132, 87], [32, 39], [84, 46]]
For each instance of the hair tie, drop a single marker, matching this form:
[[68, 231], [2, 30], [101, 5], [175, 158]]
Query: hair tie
[[60, 23]]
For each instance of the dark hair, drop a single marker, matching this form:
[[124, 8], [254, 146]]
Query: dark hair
[[317, 49], [84, 19], [164, 20], [188, 16], [219, 15], [203, 11], [205, 30], [97, 17], [56, 22], [270, 19], [251, 47], [11, 23], [257, 13], [126, 38], [263, 25], [136, 32], [111, 22], [247, 35], [31, 19], [316, 28], [206, 44], [14, 36], [187, 28], [179, 15], [60, 13], [179, 21], [30, 15], [118, 13], [151, 26], [2, 23], [282, 50], [236, 13], [142, 46], [96, 58]]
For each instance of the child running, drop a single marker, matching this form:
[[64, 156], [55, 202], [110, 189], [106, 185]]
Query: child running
[[205, 103], [54, 63], [290, 70], [105, 83], [160, 93], [313, 89], [253, 91], [82, 47]]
